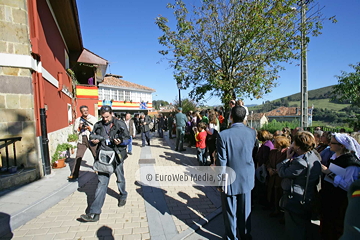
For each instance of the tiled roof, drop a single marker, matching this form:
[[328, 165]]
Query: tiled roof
[[256, 116], [113, 80], [285, 111]]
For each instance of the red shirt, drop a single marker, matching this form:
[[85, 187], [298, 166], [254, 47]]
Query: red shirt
[[200, 139]]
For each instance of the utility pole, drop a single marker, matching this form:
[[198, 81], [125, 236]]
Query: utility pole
[[304, 90]]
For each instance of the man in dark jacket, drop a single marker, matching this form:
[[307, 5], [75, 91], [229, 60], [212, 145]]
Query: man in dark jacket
[[161, 123], [111, 135], [145, 120]]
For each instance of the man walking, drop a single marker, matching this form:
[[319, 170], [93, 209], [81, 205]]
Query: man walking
[[83, 126], [112, 136], [145, 121], [160, 123], [234, 150], [180, 120], [132, 130]]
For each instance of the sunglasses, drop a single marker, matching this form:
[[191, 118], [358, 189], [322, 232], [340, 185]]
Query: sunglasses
[[336, 143]]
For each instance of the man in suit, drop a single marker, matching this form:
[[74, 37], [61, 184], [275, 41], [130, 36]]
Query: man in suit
[[234, 150]]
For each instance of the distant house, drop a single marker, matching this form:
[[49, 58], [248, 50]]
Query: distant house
[[287, 114], [257, 120], [123, 95]]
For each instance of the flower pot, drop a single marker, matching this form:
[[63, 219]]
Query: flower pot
[[60, 163]]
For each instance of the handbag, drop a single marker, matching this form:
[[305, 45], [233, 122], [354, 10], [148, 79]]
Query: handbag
[[289, 203], [105, 162]]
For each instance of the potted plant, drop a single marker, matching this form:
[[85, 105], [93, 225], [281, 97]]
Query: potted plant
[[62, 152], [73, 137], [124, 101]]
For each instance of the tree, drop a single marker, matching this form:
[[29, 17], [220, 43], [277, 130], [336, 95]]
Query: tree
[[232, 48], [186, 104], [158, 103], [348, 87]]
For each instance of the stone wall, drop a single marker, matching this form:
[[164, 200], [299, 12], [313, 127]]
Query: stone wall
[[16, 96], [58, 137], [14, 31]]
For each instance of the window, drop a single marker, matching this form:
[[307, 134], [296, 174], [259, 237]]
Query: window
[[101, 94], [107, 94], [69, 110], [127, 95], [113, 94], [121, 95], [135, 96], [67, 65]]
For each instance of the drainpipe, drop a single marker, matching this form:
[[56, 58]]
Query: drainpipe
[[38, 84], [44, 137]]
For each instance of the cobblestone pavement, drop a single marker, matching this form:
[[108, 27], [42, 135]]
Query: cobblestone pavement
[[186, 205]]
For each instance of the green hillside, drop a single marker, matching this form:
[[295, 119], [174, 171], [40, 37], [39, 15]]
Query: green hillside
[[326, 111], [320, 98]]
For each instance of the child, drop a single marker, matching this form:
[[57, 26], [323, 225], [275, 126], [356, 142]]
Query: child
[[200, 137]]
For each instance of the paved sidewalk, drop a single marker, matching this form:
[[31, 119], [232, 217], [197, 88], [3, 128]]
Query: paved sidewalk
[[50, 208]]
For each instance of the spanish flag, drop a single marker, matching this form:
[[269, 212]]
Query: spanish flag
[[356, 194]]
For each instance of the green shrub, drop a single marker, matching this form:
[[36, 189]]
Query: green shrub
[[73, 137], [275, 125], [61, 151]]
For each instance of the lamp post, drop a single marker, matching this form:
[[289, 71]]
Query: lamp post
[[179, 86]]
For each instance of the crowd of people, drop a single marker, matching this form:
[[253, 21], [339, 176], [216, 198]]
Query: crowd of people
[[296, 174], [299, 175]]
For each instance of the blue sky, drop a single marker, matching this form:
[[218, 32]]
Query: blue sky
[[125, 33]]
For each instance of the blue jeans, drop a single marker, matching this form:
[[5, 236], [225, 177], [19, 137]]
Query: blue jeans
[[180, 132], [145, 136], [130, 145], [102, 187], [160, 132], [201, 156]]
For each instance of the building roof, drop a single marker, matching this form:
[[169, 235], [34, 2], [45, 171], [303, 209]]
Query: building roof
[[87, 56], [285, 111], [67, 17], [114, 80], [256, 116]]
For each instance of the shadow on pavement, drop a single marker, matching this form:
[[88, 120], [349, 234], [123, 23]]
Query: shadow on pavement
[[186, 209], [5, 229], [262, 227], [90, 187], [105, 233]]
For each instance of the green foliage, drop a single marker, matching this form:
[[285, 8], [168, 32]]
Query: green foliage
[[61, 151], [275, 125], [234, 49], [186, 104], [158, 103], [73, 137], [348, 87]]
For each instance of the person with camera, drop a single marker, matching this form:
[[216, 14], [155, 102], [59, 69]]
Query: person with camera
[[112, 137], [83, 126]]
